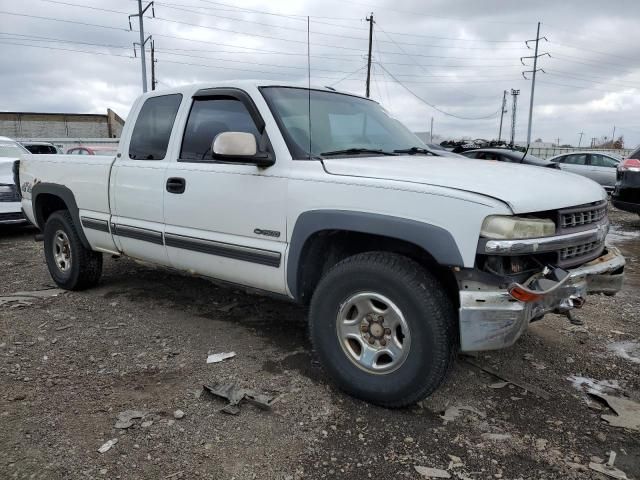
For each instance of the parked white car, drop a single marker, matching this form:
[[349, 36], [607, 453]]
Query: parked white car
[[598, 166], [404, 257], [10, 206]]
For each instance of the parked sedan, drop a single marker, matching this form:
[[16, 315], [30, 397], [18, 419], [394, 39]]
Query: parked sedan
[[10, 206], [598, 166], [626, 195], [506, 155], [41, 148], [109, 150]]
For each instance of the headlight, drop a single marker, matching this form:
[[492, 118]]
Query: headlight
[[506, 227]]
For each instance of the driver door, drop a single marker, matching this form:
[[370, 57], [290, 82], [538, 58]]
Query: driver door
[[225, 219]]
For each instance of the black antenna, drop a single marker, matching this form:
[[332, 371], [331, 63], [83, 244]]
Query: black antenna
[[309, 79]]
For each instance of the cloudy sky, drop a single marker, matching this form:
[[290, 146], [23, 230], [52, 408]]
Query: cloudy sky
[[446, 59]]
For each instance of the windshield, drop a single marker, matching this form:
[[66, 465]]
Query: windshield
[[340, 124], [12, 149]]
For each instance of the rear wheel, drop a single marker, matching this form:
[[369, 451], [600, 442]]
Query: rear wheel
[[383, 328], [71, 265]]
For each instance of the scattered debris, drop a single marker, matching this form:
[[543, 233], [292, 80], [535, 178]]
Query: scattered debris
[[525, 386], [498, 385], [126, 418], [618, 332], [456, 462], [587, 384], [65, 327], [234, 395], [627, 350], [219, 357], [539, 365], [608, 469], [428, 472], [25, 299], [627, 411], [107, 446], [452, 413], [178, 414], [497, 437], [577, 329], [146, 423], [228, 307]]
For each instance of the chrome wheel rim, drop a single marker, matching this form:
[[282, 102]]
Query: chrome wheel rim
[[373, 332], [61, 251]]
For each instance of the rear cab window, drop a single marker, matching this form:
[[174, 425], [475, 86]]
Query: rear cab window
[[151, 133]]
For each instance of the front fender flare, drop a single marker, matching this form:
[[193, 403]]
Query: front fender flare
[[436, 241]]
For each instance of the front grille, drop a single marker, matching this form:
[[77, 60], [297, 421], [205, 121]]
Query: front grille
[[583, 216], [12, 195], [584, 250]]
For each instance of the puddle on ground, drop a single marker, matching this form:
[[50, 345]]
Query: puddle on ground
[[617, 236], [627, 349]]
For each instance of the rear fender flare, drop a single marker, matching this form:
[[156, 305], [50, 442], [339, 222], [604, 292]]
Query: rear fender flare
[[66, 195]]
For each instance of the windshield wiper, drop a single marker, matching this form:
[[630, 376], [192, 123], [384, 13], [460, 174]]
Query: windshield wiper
[[415, 150], [355, 151]]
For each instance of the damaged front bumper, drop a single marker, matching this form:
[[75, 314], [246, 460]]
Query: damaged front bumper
[[493, 319]]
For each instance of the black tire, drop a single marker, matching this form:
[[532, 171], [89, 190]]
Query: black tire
[[84, 267], [428, 312]]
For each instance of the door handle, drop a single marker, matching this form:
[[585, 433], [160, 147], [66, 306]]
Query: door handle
[[176, 185]]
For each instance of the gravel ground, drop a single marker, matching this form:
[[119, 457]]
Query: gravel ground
[[69, 364]]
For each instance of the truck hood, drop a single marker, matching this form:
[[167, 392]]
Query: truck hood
[[524, 188]]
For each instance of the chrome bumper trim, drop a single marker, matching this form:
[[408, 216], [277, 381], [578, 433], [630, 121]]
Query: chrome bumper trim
[[492, 319], [545, 244]]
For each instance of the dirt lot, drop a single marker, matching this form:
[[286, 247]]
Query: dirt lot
[[69, 364]]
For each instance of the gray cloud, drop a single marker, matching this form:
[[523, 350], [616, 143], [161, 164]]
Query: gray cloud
[[592, 79]]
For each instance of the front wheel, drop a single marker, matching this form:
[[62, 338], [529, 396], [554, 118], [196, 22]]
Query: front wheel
[[72, 266], [383, 328]]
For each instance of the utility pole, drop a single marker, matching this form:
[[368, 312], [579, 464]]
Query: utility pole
[[153, 66], [370, 20], [431, 134], [580, 140], [514, 108], [558, 142], [503, 110], [533, 77], [143, 41]]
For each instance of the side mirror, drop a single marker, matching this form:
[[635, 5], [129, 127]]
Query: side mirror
[[239, 146], [234, 144]]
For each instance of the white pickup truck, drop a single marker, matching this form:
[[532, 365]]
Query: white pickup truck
[[405, 257]]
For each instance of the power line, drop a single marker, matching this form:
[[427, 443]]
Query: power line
[[444, 112], [583, 49], [63, 21]]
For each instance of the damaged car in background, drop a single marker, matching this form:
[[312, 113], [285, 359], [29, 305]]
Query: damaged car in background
[[10, 207], [626, 193], [404, 257]]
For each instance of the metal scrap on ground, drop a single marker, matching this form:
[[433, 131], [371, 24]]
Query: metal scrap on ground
[[628, 411], [234, 395], [107, 445], [608, 468], [454, 412], [518, 383], [218, 357], [126, 418], [25, 299], [429, 472]]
